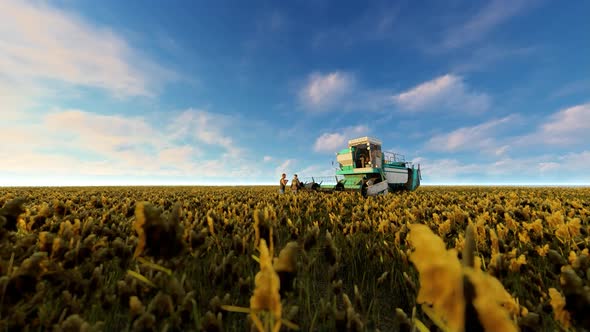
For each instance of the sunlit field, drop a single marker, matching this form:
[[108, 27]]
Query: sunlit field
[[250, 259]]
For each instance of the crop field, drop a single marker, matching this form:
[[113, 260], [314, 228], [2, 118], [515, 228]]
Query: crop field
[[250, 259]]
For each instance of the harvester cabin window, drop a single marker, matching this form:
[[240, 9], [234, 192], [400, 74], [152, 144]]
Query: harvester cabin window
[[362, 158], [376, 154], [368, 158]]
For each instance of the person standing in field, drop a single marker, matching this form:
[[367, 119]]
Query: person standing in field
[[283, 183], [295, 184]]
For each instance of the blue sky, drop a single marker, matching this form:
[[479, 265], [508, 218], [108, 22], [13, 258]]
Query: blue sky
[[237, 92]]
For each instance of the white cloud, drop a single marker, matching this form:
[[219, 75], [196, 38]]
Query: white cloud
[[568, 126], [124, 141], [324, 90], [340, 91], [306, 173], [178, 155], [332, 142], [78, 143], [426, 93], [501, 150], [479, 137], [11, 101], [100, 129], [39, 43], [329, 142], [445, 169], [549, 168], [284, 167], [206, 127], [445, 91], [576, 161], [483, 22], [267, 159]]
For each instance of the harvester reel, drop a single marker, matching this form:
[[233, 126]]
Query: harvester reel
[[312, 186]]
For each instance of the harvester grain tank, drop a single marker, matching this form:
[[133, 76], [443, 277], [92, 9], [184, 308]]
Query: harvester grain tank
[[363, 167]]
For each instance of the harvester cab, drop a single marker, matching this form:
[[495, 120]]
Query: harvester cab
[[363, 167]]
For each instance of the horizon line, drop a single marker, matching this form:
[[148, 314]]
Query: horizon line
[[272, 184]]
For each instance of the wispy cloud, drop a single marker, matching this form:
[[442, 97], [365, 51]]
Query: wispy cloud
[[507, 152], [448, 91], [569, 127], [573, 88], [315, 170], [122, 141], [77, 142], [331, 142], [324, 90], [447, 169], [487, 57], [483, 22], [547, 168], [342, 91], [284, 167], [566, 127], [15, 98], [481, 137], [40, 43], [267, 27], [205, 127], [175, 155], [377, 23]]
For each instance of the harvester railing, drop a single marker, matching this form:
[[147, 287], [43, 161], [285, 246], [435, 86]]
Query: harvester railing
[[323, 180], [392, 157]]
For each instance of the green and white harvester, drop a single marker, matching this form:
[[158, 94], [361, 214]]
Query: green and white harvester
[[364, 168]]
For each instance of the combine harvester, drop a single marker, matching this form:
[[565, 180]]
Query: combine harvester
[[364, 168]]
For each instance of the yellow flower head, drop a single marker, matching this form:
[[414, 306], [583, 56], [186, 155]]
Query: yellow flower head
[[441, 285], [444, 228], [211, 224], [542, 251], [516, 263], [266, 293], [287, 258], [441, 279], [554, 220], [495, 244], [492, 302], [558, 303], [572, 257], [138, 225], [536, 227]]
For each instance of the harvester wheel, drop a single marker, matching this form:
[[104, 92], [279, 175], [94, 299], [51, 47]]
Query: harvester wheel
[[339, 186], [364, 190]]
